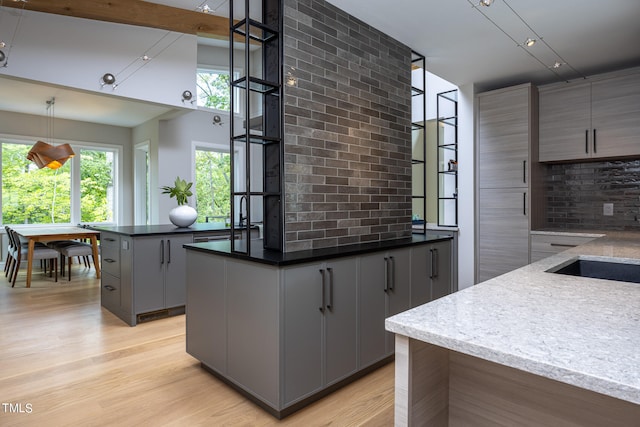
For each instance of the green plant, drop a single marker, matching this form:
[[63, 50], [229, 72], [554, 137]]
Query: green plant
[[181, 190]]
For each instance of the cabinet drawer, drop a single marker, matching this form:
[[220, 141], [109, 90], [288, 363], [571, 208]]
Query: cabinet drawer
[[110, 254], [544, 245], [110, 292]]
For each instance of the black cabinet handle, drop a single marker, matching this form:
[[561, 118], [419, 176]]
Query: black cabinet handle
[[435, 262], [524, 203], [392, 273], [322, 286], [162, 251], [109, 288], [586, 141], [386, 274], [168, 251], [595, 146], [431, 264], [109, 239], [109, 260], [330, 305], [524, 171]]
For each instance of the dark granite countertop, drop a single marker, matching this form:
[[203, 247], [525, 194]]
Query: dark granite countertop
[[148, 230], [265, 256]]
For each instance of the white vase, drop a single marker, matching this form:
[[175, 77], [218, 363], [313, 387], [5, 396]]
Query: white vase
[[183, 216]]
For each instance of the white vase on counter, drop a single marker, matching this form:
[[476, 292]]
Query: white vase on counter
[[183, 216]]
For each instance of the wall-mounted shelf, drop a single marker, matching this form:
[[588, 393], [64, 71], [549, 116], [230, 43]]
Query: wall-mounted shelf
[[418, 143], [447, 142], [258, 95]]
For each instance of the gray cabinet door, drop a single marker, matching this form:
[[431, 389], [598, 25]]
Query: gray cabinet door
[[420, 271], [303, 317], [148, 273], [503, 237], [503, 137], [565, 123], [399, 293], [206, 311], [372, 289], [440, 269], [615, 119], [340, 319], [175, 269]]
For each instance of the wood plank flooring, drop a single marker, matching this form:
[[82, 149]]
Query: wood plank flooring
[[65, 361]]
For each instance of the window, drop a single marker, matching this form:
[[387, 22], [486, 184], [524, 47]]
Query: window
[[212, 180], [213, 89], [62, 196]]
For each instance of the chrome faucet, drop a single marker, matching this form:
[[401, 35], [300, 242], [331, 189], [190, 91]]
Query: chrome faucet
[[242, 217]]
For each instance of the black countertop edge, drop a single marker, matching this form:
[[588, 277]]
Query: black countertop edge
[[148, 230], [265, 256]]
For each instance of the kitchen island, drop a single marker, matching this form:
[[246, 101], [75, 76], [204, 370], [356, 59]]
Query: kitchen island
[[285, 329], [530, 347], [144, 267]]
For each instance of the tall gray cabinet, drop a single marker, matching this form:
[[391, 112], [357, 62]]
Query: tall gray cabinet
[[509, 178]]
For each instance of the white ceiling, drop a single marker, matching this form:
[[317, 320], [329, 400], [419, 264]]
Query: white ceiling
[[460, 44]]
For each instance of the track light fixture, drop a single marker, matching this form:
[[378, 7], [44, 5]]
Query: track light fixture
[[187, 96], [529, 42], [486, 3], [108, 79], [217, 120]]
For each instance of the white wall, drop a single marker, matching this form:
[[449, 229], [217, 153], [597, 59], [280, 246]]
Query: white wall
[[466, 186], [75, 52], [30, 127]]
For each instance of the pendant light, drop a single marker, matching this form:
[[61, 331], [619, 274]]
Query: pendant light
[[45, 154]]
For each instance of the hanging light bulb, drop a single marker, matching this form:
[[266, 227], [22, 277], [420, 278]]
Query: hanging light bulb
[[45, 154]]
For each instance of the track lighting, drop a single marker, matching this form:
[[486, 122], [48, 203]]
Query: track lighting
[[217, 120], [108, 79], [486, 3], [529, 42], [187, 96]]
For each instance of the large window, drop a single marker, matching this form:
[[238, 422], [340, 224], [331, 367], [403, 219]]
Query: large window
[[214, 89], [82, 190], [213, 168]]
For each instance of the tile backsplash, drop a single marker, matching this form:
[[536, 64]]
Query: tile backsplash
[[576, 193]]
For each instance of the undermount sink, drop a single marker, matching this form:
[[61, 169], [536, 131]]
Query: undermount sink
[[597, 269]]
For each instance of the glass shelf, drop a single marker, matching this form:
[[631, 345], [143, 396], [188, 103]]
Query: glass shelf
[[257, 30], [256, 139], [256, 85], [447, 143]]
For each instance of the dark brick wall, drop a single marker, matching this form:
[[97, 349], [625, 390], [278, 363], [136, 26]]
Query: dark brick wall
[[577, 191], [347, 130]]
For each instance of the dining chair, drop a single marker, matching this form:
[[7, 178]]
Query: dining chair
[[75, 249], [40, 252]]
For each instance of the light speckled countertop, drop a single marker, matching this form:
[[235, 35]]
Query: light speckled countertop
[[580, 331]]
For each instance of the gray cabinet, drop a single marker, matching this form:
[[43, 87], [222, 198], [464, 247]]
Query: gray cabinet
[[600, 119], [384, 290], [159, 269], [509, 176], [431, 272], [320, 326], [144, 275], [206, 311]]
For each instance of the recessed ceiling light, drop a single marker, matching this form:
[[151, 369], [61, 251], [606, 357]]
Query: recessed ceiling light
[[486, 2], [530, 42], [557, 64]]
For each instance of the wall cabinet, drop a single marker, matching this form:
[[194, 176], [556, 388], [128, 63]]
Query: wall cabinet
[[509, 176], [581, 121]]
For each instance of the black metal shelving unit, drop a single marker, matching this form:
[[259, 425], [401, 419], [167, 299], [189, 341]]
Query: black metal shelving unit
[[447, 141], [260, 94], [419, 143]]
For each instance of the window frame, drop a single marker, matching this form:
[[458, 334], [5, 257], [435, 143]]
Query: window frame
[[75, 173]]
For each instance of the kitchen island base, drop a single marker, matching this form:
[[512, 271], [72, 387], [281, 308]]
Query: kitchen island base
[[440, 387]]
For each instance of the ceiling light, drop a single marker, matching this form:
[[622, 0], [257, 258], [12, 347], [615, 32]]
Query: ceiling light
[[187, 96], [45, 154], [529, 42], [486, 3], [557, 64]]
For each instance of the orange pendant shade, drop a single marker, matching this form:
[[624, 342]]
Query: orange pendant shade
[[51, 156]]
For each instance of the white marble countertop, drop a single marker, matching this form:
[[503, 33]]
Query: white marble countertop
[[580, 331]]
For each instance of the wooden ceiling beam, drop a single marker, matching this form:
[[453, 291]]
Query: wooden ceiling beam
[[133, 12]]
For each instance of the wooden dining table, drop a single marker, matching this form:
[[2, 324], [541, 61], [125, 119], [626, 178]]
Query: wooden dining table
[[47, 234]]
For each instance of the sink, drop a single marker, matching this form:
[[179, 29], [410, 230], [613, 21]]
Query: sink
[[597, 269]]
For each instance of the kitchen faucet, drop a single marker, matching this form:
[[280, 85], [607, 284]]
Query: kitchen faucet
[[242, 217]]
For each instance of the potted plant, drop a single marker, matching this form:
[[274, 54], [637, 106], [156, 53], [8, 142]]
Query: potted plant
[[183, 215]]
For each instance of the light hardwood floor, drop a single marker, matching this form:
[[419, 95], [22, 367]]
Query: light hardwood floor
[[65, 361]]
